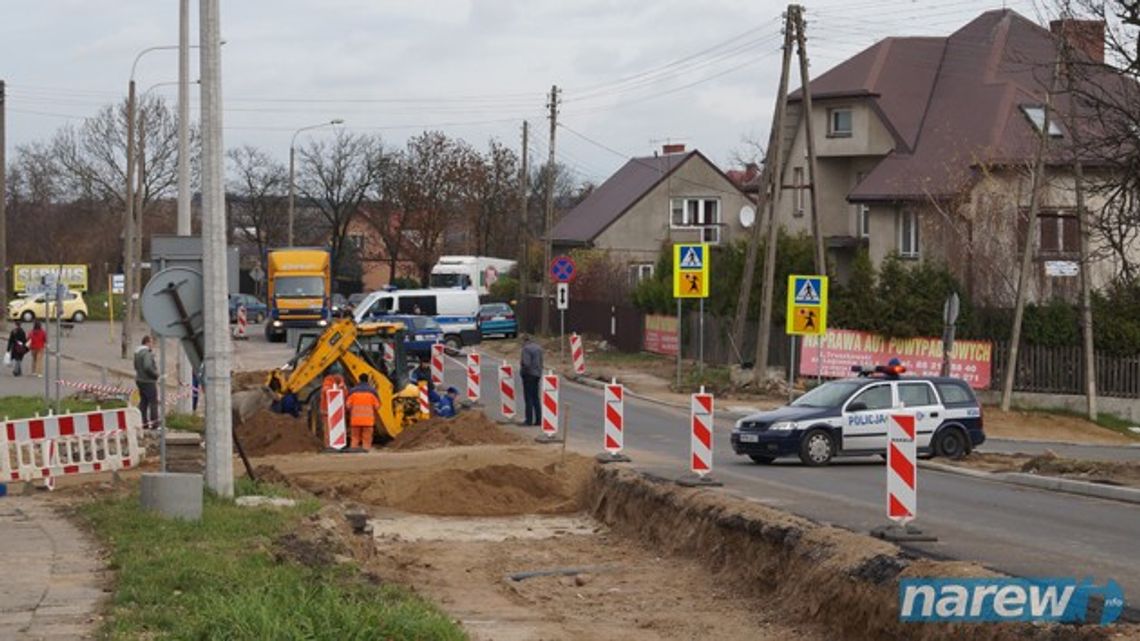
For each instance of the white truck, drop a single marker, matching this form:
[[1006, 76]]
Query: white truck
[[461, 272]]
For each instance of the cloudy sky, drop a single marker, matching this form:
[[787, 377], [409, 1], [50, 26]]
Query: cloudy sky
[[634, 73]]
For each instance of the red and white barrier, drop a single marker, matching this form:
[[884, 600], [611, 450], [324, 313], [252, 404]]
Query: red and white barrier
[[107, 390], [902, 487], [613, 427], [702, 431], [507, 391], [337, 434], [239, 331], [474, 376], [389, 356], [437, 364], [425, 402], [578, 354], [70, 444], [550, 404]]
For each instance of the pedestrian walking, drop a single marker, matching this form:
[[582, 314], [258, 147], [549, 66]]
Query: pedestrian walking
[[362, 404], [17, 347], [37, 343], [146, 377], [530, 365]]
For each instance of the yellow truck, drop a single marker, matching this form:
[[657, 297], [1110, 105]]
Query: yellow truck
[[299, 290]]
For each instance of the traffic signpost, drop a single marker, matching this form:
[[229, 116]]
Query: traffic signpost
[[691, 280], [806, 316], [563, 270]]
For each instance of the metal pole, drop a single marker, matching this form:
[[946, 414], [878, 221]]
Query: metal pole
[[791, 367], [679, 344], [819, 360], [524, 233], [184, 228], [292, 189], [129, 225], [219, 428], [3, 212], [162, 405], [561, 334], [701, 338], [111, 307], [59, 289]]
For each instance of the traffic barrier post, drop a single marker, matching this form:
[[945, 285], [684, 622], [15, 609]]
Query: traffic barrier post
[[389, 356], [507, 391], [239, 332], [474, 376], [70, 444], [700, 442], [335, 430], [902, 480], [613, 424], [437, 364], [577, 354], [425, 402], [550, 410]]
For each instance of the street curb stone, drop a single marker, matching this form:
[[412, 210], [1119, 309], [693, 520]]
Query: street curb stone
[[1049, 483]]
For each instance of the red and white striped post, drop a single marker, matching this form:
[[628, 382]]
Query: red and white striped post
[[613, 424], [474, 376], [336, 433], [902, 492], [577, 354], [437, 364], [241, 323], [389, 356], [425, 402], [507, 391], [700, 441], [550, 410]]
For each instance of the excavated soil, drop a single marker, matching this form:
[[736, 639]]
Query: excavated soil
[[249, 380], [468, 428], [1049, 464], [268, 433]]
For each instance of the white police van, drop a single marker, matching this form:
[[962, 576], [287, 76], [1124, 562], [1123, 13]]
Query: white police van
[[849, 417], [456, 310]]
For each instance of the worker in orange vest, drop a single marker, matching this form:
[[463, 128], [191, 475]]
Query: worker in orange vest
[[363, 401]]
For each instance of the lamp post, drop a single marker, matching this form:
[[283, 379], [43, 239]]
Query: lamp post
[[292, 165]]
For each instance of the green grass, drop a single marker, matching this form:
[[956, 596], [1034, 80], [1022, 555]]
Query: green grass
[[622, 358], [229, 577], [97, 307], [14, 407], [715, 379], [185, 422], [1103, 419]]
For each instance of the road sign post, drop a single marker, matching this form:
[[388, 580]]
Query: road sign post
[[691, 280], [562, 297], [806, 316]]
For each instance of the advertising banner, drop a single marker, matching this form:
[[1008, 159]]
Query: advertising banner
[[842, 348], [661, 335]]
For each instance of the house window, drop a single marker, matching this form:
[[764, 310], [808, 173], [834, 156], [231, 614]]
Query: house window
[[839, 123], [1036, 115], [908, 234], [862, 213], [639, 272], [798, 185], [1059, 233], [698, 212]]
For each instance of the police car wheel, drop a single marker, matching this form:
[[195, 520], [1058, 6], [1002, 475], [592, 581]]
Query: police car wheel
[[950, 444], [817, 448], [761, 459]]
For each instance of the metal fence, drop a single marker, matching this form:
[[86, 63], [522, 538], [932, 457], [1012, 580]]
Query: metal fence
[[1060, 370]]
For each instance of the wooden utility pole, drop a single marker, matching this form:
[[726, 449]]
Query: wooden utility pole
[[140, 186], [763, 335], [3, 212], [129, 229], [524, 230], [1036, 182], [763, 196], [797, 12], [548, 224]]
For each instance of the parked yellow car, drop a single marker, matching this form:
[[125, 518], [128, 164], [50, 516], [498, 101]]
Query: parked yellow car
[[29, 308]]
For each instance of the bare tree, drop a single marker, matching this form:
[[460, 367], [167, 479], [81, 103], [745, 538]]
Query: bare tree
[[336, 178], [494, 226], [257, 191]]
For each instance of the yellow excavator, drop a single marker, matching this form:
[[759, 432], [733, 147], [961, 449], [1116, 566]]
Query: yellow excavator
[[350, 350]]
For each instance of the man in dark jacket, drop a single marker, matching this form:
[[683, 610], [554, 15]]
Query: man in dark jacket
[[530, 366], [146, 377], [17, 347]]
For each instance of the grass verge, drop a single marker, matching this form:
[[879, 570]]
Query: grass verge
[[227, 578], [1103, 419], [185, 422], [14, 407]]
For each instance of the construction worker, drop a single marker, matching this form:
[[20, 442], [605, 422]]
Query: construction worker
[[362, 403]]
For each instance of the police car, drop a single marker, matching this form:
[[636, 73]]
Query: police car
[[849, 417]]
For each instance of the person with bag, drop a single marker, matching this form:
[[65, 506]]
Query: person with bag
[[37, 343], [17, 347]]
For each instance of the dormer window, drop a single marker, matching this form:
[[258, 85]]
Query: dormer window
[[839, 123], [1036, 115]]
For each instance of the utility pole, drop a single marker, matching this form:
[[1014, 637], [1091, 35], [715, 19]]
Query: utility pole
[[1036, 181], [219, 426], [140, 186], [763, 335], [185, 375], [797, 11], [549, 222], [129, 229], [3, 211], [763, 196], [524, 252]]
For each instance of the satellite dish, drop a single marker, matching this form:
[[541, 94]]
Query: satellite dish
[[747, 216]]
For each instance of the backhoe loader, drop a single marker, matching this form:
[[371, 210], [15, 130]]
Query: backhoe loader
[[350, 350]]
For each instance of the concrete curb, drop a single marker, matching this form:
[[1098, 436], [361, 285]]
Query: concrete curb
[[1049, 483]]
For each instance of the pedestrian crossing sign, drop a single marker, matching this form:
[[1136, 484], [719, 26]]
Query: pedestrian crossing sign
[[690, 270], [807, 305]]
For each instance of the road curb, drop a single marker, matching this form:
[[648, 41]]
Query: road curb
[[1049, 483]]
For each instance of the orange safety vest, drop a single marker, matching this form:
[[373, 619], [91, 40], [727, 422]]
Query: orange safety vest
[[362, 406]]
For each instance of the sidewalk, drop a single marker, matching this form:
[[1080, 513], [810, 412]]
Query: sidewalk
[[52, 588]]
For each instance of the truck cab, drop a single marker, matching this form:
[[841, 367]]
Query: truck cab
[[299, 290]]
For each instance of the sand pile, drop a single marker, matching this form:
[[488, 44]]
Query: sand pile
[[468, 428], [267, 433]]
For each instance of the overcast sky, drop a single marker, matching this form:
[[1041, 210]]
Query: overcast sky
[[635, 72]]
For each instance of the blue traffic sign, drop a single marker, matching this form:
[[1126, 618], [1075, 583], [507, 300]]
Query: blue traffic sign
[[563, 269]]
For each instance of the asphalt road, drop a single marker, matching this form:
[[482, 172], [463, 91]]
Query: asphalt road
[[1020, 531]]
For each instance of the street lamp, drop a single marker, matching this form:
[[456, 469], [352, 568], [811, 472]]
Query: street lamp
[[292, 156]]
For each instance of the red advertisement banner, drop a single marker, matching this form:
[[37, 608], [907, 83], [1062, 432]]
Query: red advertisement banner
[[842, 348], [660, 335]]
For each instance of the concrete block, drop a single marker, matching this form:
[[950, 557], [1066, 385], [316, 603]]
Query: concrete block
[[173, 495]]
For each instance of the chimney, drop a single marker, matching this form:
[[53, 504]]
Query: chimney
[[675, 148], [1083, 35]]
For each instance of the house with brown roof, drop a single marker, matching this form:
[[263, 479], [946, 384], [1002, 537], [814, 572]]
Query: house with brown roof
[[925, 146], [676, 196]]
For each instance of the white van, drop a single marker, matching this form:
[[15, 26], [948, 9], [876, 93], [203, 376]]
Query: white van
[[456, 310]]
